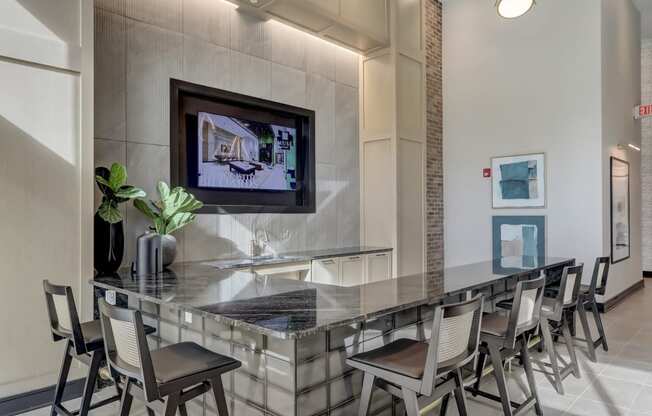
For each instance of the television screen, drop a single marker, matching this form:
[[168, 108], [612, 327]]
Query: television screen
[[244, 154]]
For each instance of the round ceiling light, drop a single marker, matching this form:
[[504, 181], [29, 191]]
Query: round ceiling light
[[511, 9]]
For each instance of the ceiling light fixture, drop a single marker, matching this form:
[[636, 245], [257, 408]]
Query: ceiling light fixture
[[511, 9]]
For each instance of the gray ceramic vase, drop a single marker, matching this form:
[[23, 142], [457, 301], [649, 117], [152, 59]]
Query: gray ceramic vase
[[168, 249]]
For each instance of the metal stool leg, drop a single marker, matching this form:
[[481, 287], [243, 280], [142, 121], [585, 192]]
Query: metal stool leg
[[367, 391], [91, 379], [460, 396], [527, 365], [172, 404], [220, 398], [411, 404], [63, 376], [499, 374], [443, 408], [182, 410], [482, 358], [587, 331], [552, 355], [571, 349]]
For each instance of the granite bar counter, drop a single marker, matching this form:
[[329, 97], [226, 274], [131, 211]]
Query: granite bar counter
[[293, 336]]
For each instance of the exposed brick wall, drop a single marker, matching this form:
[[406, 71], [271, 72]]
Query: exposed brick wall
[[434, 138]]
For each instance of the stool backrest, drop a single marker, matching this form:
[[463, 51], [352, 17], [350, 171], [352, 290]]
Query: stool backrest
[[599, 277], [127, 350], [526, 308], [62, 311], [569, 290], [454, 340]]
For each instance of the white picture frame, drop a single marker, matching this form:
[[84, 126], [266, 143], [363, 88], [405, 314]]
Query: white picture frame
[[519, 194]]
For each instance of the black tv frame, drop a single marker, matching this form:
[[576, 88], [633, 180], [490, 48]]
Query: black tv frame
[[237, 201]]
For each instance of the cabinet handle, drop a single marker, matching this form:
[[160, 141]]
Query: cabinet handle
[[381, 255], [354, 258], [328, 261]]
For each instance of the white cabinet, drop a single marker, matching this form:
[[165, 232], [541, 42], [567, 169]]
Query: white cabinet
[[351, 271], [326, 271], [379, 267]]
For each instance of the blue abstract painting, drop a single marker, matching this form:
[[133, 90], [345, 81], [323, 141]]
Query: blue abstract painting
[[518, 241], [518, 181]]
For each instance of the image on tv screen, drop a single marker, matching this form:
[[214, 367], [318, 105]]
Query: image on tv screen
[[244, 154]]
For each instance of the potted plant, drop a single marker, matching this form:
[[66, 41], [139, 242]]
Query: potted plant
[[109, 230], [173, 211]]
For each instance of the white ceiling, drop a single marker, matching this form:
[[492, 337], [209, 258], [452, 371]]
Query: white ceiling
[[645, 6]]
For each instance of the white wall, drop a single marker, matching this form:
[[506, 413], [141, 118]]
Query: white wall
[[621, 91], [41, 166], [516, 87], [138, 49]]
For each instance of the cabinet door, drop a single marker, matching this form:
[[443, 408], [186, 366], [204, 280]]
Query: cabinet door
[[379, 267], [351, 271], [326, 271]]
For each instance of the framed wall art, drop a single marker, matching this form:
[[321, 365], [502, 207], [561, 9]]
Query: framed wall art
[[620, 217], [519, 181]]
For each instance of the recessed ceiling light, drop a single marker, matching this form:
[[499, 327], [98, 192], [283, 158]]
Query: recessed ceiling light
[[511, 9]]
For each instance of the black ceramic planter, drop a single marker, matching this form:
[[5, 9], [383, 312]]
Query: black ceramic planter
[[109, 246]]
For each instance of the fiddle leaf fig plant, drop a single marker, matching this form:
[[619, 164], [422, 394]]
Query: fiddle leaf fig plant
[[113, 185], [173, 211]]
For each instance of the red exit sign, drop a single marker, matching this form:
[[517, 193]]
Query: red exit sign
[[643, 111]]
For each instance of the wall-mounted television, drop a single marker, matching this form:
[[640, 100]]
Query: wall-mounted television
[[241, 154]]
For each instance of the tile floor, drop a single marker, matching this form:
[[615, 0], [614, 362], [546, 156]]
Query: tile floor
[[619, 384]]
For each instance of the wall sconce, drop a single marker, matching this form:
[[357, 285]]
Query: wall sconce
[[511, 9], [628, 146]]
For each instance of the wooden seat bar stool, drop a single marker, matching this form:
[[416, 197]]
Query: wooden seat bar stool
[[505, 336], [408, 369], [588, 301], [166, 378], [84, 342]]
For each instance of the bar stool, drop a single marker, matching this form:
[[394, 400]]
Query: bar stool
[[409, 369], [166, 378], [504, 337], [84, 342], [588, 300]]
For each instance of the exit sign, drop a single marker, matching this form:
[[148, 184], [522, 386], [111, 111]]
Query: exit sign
[[642, 111]]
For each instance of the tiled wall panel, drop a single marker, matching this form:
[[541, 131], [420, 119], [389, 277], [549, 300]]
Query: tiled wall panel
[[141, 44]]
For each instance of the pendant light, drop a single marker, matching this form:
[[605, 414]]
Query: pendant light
[[511, 9]]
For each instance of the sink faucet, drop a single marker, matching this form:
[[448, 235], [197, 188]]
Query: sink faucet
[[259, 243]]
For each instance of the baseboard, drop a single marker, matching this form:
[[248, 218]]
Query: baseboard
[[611, 303], [36, 399], [647, 274]]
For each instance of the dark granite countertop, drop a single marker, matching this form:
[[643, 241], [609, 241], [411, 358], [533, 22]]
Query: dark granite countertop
[[293, 257], [289, 309]]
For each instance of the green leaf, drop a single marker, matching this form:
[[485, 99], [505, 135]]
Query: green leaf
[[118, 176], [101, 181], [142, 206], [130, 192], [179, 221], [109, 212], [163, 190]]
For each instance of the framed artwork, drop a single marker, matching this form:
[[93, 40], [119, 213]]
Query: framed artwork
[[518, 241], [519, 181], [620, 227]]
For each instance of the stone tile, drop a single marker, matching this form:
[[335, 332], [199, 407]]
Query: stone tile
[[280, 401], [162, 13], [288, 45], [320, 96], [311, 373], [200, 238], [643, 402], [207, 20], [251, 75], [583, 407], [110, 75], [288, 85], [250, 35], [154, 56], [112, 6], [311, 402], [613, 391], [206, 64], [146, 166], [320, 232], [346, 67], [320, 57], [345, 388], [628, 370], [250, 388]]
